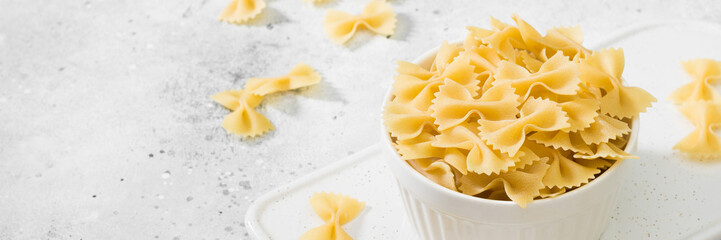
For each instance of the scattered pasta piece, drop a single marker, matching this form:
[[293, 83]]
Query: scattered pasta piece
[[511, 114], [335, 210], [244, 120], [316, 1], [377, 16], [241, 11], [703, 72], [300, 76], [700, 103], [702, 142]]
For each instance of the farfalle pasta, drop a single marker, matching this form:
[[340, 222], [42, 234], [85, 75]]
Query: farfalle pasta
[[335, 210], [700, 103], [377, 17], [511, 114], [241, 11], [244, 120]]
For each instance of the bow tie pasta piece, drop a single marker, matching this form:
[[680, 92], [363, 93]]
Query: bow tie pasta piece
[[569, 141], [410, 81], [626, 102], [454, 104], [563, 172], [241, 11], [481, 158], [421, 147], [603, 69], [557, 75], [446, 54], [300, 76], [606, 151], [597, 163], [335, 210], [484, 59], [604, 129], [702, 142], [420, 92], [551, 192], [582, 113], [536, 115], [703, 73], [316, 1], [521, 186], [502, 41], [406, 121], [377, 16], [566, 39], [244, 120], [437, 171]]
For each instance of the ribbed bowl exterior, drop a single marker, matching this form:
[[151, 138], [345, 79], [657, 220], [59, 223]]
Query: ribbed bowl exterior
[[433, 224]]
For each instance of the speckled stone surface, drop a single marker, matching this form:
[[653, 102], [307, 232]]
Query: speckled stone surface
[[107, 131]]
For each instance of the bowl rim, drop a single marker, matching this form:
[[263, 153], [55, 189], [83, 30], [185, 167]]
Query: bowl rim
[[387, 143]]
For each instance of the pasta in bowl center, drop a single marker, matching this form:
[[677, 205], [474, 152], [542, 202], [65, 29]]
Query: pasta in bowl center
[[511, 123]]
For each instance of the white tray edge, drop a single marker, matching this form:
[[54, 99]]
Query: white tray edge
[[252, 217]]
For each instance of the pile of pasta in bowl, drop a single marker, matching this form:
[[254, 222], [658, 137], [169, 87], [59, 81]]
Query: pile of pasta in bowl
[[511, 114]]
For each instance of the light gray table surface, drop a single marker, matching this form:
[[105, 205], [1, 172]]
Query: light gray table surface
[[107, 130]]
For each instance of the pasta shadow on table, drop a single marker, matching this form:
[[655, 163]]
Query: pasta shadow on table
[[404, 25], [360, 38], [267, 18], [684, 160], [322, 91], [325, 5]]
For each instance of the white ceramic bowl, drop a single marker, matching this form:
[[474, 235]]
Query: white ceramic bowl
[[438, 213]]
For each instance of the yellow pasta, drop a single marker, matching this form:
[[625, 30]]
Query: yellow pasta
[[418, 89], [300, 76], [603, 69], [703, 72], [316, 1], [335, 210], [568, 141], [241, 11], [563, 172], [702, 142], [511, 114], [604, 129], [536, 115], [605, 150], [436, 170], [454, 104], [558, 75], [700, 103], [521, 186], [243, 119], [408, 121], [481, 158], [377, 16]]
